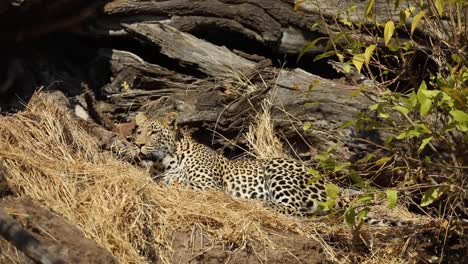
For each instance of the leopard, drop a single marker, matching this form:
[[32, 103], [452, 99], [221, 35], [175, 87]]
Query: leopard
[[285, 185]]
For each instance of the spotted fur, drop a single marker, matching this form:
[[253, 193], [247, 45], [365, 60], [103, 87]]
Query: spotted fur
[[283, 184]]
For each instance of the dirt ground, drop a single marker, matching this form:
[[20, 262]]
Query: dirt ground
[[59, 236], [191, 246]]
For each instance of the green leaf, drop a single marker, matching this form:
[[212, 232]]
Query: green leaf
[[332, 193], [415, 132], [347, 124], [463, 127], [424, 103], [431, 195], [373, 107], [368, 157], [357, 180], [369, 7], [341, 166], [431, 93], [316, 176], [358, 61], [388, 31], [358, 91], [392, 197], [314, 172], [310, 104], [322, 156], [425, 128], [125, 86], [307, 126], [423, 86], [329, 204], [312, 85], [346, 22], [384, 115], [388, 140], [368, 53], [447, 99], [346, 68], [366, 198], [339, 36], [459, 116], [457, 58], [402, 135], [413, 99], [308, 47], [362, 214], [382, 161], [427, 160], [424, 143], [325, 55], [340, 57], [332, 190], [439, 5], [401, 109], [402, 18], [350, 216], [416, 20]]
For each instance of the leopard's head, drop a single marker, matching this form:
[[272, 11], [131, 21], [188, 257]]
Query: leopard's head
[[157, 137]]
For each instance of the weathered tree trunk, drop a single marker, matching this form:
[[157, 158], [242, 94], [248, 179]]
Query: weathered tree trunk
[[13, 232], [214, 61], [174, 51], [270, 24], [215, 98]]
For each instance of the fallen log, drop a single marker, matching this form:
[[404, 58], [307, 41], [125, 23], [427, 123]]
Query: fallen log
[[13, 232], [273, 25], [233, 89]]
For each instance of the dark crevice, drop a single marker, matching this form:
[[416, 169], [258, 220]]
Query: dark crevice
[[150, 54], [235, 40]]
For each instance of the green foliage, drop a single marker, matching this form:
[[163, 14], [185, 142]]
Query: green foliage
[[431, 195], [425, 126], [369, 8], [358, 61], [416, 20], [328, 163], [392, 197], [388, 31], [307, 126], [428, 120]]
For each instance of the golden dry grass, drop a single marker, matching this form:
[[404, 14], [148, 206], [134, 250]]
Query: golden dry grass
[[261, 137], [52, 160]]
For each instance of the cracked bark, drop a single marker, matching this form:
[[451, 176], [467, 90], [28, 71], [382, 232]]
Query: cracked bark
[[205, 102]]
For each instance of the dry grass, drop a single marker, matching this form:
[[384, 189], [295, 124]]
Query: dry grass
[[52, 160], [261, 138]]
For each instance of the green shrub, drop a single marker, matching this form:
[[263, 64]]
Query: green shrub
[[424, 127]]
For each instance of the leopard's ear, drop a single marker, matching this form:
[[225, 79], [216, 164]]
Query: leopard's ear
[[172, 120], [140, 118]]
